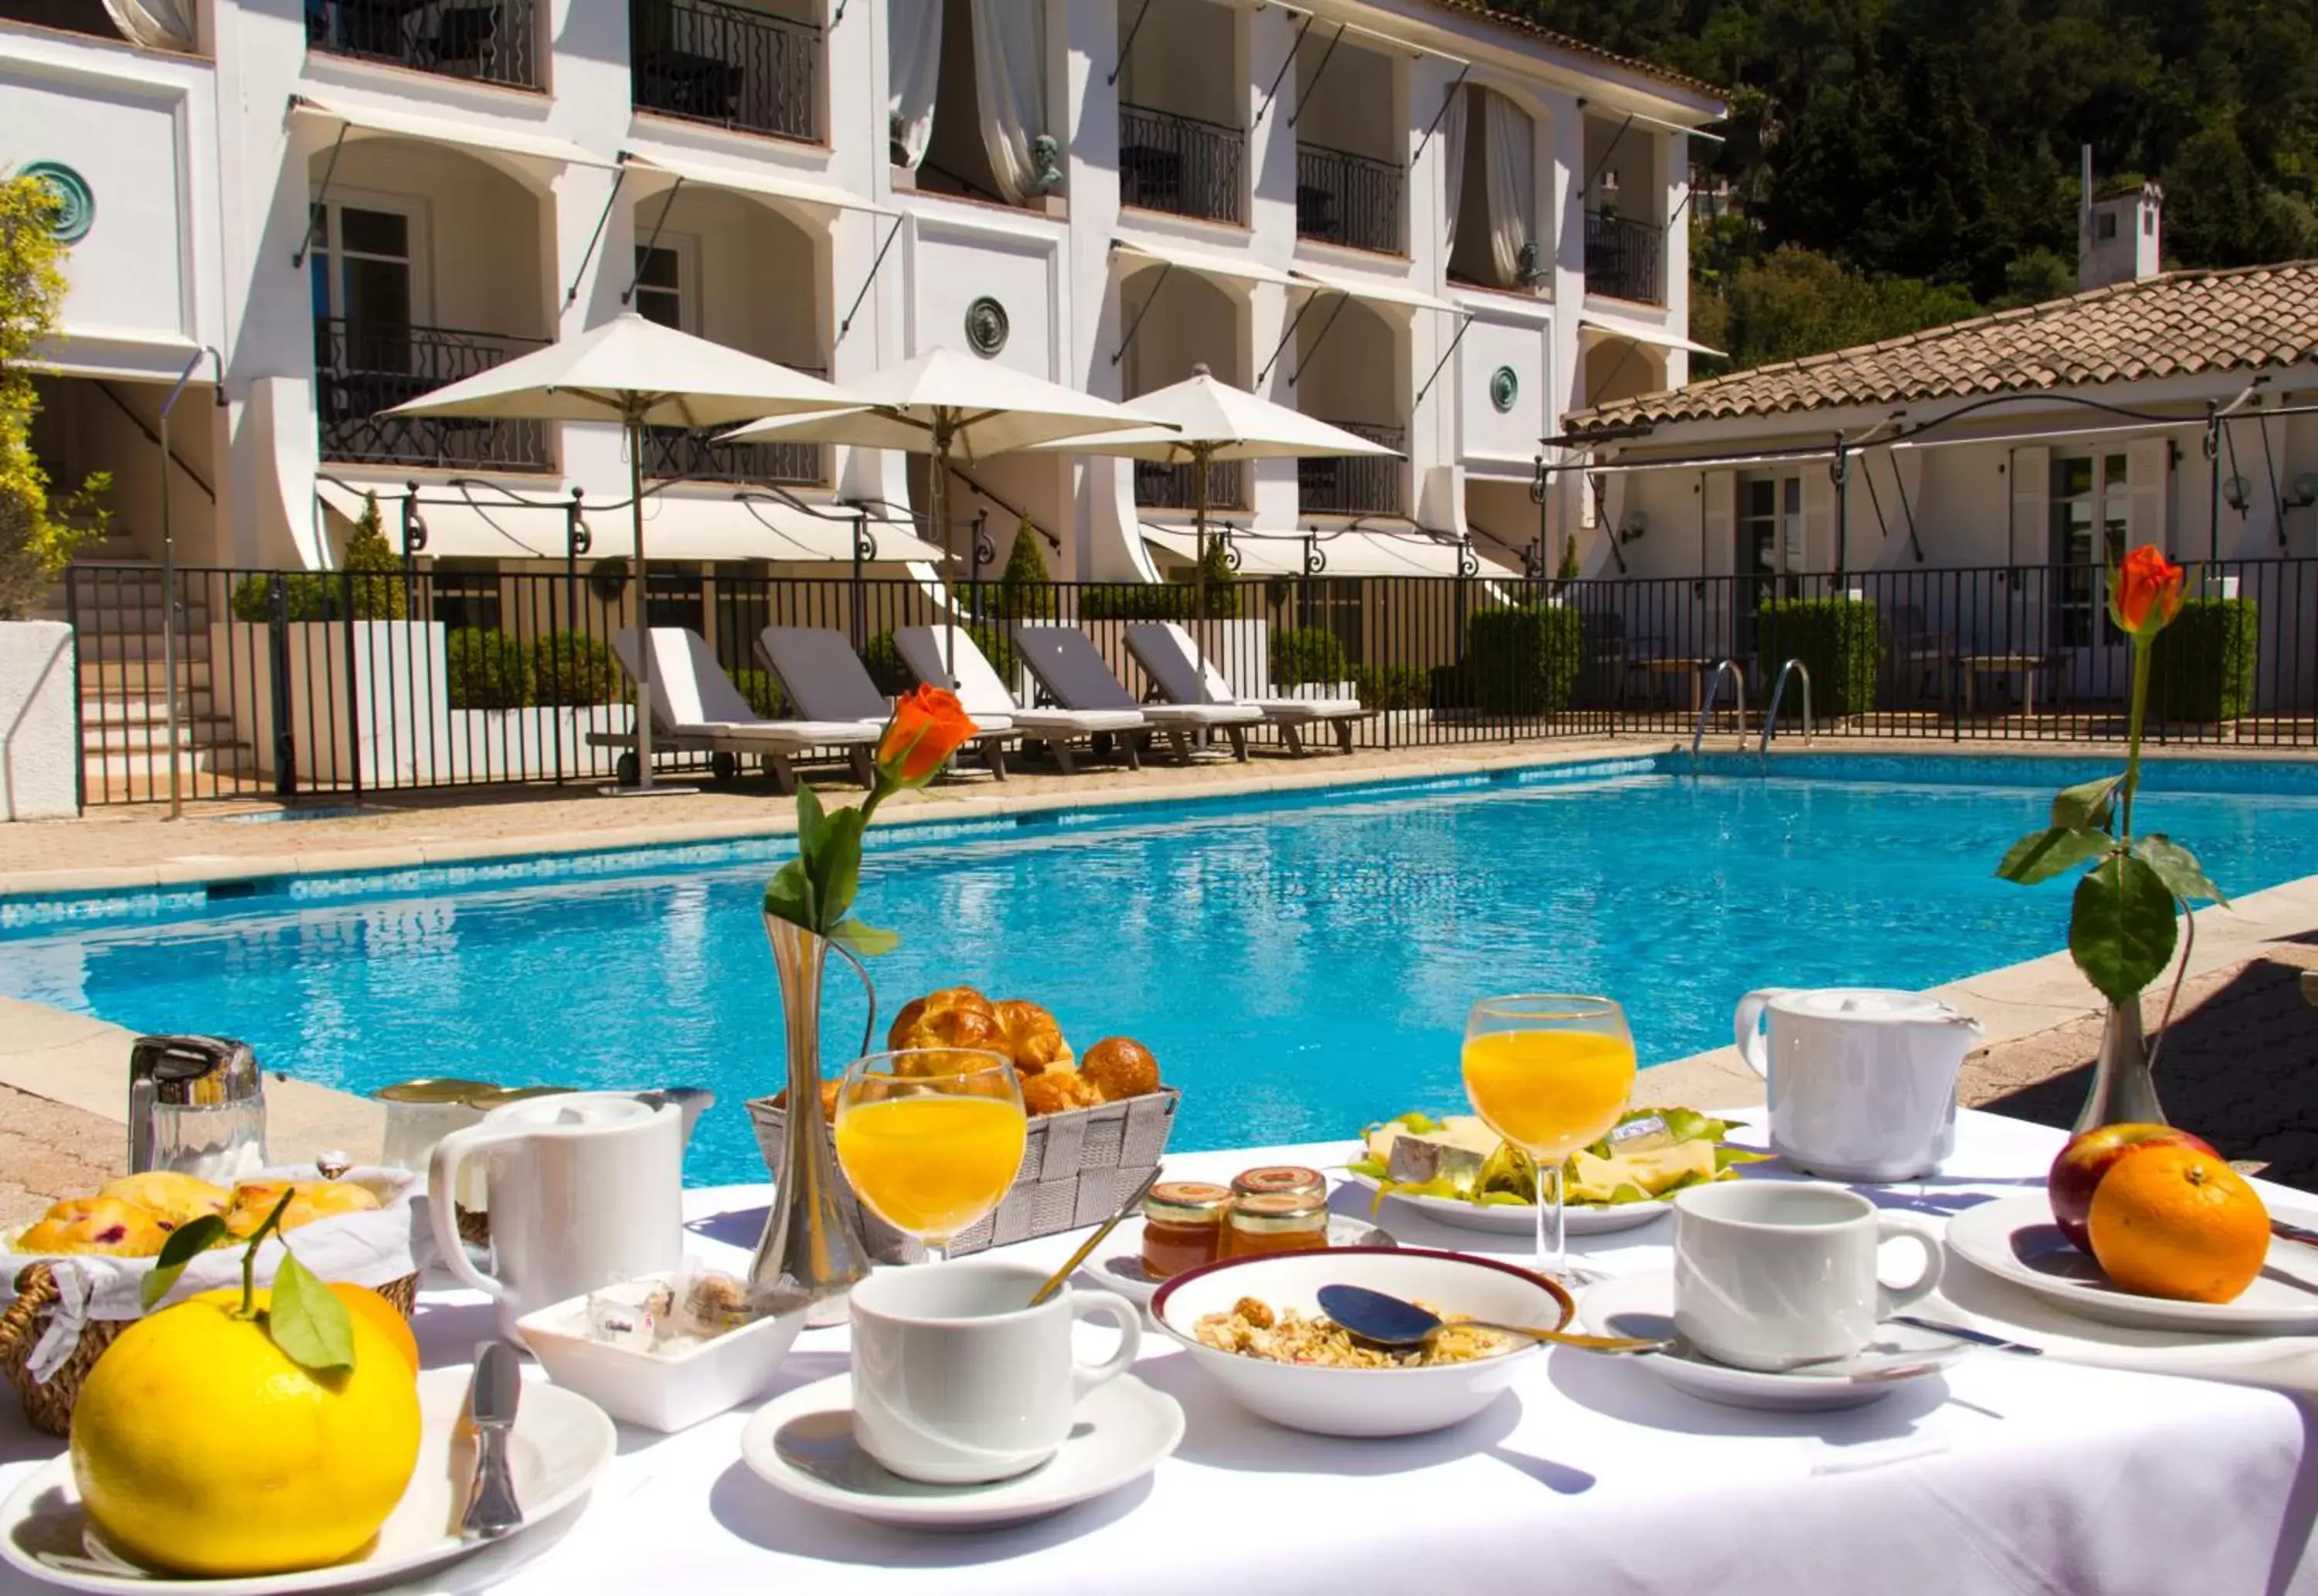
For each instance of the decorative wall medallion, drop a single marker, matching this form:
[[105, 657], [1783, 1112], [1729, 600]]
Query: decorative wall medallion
[[76, 205], [987, 326], [1504, 387]]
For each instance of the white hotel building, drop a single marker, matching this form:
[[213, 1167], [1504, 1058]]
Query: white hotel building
[[323, 208]]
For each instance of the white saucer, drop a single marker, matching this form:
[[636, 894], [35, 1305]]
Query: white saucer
[[561, 1443], [801, 1444], [1519, 1219], [1120, 1268], [1642, 1304], [2015, 1239]]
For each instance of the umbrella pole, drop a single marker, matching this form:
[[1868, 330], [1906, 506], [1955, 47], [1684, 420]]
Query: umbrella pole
[[938, 502], [1200, 537], [635, 432]]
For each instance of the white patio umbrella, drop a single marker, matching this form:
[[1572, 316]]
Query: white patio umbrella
[[640, 375], [1212, 421], [943, 404]]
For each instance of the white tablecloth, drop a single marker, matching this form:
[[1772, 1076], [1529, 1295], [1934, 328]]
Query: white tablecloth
[[2008, 1475]]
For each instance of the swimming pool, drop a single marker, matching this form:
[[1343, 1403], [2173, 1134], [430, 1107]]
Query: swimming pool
[[1299, 965]]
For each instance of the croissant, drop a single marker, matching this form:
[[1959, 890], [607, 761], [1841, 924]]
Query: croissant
[[1120, 1067], [1058, 1090], [1033, 1039], [828, 1099]]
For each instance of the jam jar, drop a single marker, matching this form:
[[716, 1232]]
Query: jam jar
[[1182, 1227], [1292, 1178], [1268, 1221]]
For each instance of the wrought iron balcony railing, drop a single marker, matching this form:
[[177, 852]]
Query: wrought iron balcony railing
[[490, 40], [675, 451], [364, 368], [1174, 488], [1354, 484], [1343, 198], [725, 64], [1179, 164], [1622, 257]]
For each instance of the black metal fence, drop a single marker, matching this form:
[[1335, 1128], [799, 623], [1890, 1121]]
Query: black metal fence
[[1354, 484], [1343, 198], [725, 64], [294, 681], [1181, 163], [1622, 257], [362, 368], [490, 40]]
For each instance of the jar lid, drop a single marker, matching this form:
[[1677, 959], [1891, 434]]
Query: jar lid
[[1272, 1213], [498, 1096], [438, 1089], [1275, 1178], [1186, 1202]]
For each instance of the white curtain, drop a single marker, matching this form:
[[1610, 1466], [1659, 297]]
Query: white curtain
[[916, 67], [1509, 161], [1452, 159], [1010, 90], [156, 24]]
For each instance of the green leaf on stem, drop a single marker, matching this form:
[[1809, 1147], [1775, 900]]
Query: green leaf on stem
[[2042, 855], [2178, 868], [185, 1243], [306, 1321], [869, 941], [2121, 928], [810, 816], [837, 867], [2085, 807], [788, 896]]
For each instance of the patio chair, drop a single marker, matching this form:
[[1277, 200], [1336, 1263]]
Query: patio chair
[[1065, 660], [1165, 651], [1920, 652], [824, 678], [695, 707], [986, 697]]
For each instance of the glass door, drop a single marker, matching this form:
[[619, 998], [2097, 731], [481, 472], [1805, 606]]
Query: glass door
[[1770, 552], [2091, 505]]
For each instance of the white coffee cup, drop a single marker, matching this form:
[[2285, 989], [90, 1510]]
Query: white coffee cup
[[1775, 1274], [957, 1380]]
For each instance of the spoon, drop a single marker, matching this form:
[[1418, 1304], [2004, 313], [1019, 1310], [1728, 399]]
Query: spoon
[[1385, 1321], [1134, 1202]]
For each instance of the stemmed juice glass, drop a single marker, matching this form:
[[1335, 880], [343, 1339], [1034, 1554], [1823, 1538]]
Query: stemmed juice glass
[[930, 1137], [1549, 1072]]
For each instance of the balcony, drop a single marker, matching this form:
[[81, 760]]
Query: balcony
[[360, 369], [725, 64], [1343, 198], [488, 41], [1622, 257], [675, 451], [1357, 484], [1173, 488], [1181, 165]]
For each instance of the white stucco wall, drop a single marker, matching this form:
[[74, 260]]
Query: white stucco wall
[[38, 736]]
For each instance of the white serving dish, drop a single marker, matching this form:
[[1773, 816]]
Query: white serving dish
[[663, 1391], [1362, 1402], [1519, 1219]]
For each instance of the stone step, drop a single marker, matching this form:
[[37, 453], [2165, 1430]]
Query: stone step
[[200, 736], [192, 643], [127, 705], [99, 677], [152, 769]]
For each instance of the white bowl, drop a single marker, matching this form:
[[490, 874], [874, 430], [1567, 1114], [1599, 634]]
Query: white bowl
[[663, 1391], [1361, 1402]]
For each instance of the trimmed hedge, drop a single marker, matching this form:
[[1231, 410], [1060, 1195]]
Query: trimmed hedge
[[1523, 661], [486, 669], [1301, 654], [764, 694], [887, 668], [570, 668], [1839, 641], [1136, 601], [2201, 667], [1392, 686]]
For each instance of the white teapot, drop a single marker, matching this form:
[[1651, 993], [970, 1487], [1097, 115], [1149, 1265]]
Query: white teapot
[[1861, 1082]]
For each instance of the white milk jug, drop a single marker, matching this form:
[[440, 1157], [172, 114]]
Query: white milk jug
[[1861, 1082]]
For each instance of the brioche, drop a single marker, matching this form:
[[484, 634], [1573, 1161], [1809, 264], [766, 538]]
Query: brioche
[[954, 1016], [1058, 1091], [1120, 1068]]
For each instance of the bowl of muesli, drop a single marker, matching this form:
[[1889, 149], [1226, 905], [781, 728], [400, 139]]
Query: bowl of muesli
[[1255, 1325]]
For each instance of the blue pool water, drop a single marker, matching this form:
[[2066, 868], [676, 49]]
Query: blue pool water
[[1299, 965]]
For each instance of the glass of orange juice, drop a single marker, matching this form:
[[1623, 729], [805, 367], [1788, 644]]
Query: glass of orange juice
[[1549, 1072], [930, 1137]]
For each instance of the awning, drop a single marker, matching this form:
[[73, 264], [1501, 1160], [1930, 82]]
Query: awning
[[1361, 554], [1374, 288], [501, 139], [1204, 262], [482, 526], [767, 183], [1639, 333]]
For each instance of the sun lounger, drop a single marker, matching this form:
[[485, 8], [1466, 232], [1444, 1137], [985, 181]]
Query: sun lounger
[[824, 678], [1064, 662], [696, 708], [985, 697], [1166, 652]]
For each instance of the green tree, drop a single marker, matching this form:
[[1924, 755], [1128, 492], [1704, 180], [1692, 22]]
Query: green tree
[[1025, 591], [38, 532], [378, 592], [1797, 301]]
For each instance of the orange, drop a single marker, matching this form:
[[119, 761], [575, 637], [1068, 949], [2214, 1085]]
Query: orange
[[363, 1301], [2176, 1222]]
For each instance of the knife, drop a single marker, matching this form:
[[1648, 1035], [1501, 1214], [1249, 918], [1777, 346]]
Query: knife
[[491, 1508], [2294, 1232], [1965, 1333]]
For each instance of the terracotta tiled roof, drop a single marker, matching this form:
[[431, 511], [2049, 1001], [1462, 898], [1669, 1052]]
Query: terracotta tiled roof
[[1483, 11], [2175, 325]]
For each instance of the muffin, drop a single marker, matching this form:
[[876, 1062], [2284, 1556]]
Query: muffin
[[253, 1200], [178, 1198], [107, 1224]]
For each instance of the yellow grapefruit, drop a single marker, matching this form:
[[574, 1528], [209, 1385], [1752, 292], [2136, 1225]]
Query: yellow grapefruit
[[201, 1448]]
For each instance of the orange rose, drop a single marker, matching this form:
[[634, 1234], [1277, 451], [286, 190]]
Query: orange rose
[[928, 726], [2144, 592]]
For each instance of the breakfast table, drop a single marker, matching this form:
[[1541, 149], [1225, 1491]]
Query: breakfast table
[[2095, 1468]]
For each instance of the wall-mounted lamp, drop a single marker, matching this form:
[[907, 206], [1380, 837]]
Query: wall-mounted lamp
[[2302, 492], [1635, 526], [2234, 494]]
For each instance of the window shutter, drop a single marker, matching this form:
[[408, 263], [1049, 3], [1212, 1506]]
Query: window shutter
[[2147, 467], [1719, 558], [1819, 519], [2030, 542]]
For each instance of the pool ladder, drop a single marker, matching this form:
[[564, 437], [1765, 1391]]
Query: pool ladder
[[1771, 715], [1722, 667]]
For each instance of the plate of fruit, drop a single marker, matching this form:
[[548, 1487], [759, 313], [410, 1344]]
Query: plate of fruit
[[2147, 1227], [1461, 1172]]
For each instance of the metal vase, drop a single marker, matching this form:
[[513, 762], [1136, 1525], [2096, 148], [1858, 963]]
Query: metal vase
[[812, 1251], [2124, 1088]]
